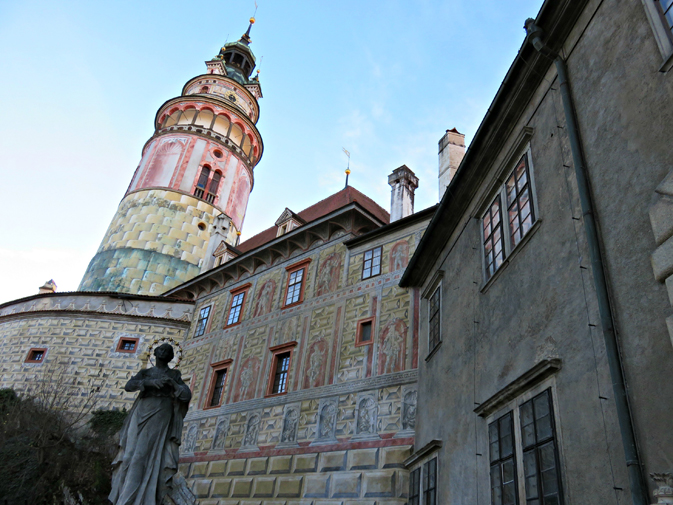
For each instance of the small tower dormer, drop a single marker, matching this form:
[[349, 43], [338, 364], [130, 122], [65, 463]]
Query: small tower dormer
[[288, 221]]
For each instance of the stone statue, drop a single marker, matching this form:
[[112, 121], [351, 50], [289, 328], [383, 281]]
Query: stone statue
[[149, 441]]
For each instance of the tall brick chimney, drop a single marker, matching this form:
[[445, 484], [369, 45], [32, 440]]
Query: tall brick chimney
[[403, 183], [451, 152]]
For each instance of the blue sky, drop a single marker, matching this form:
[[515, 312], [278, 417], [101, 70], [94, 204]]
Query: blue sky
[[81, 83]]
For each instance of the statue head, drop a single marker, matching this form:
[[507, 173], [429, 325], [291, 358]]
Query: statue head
[[164, 352]]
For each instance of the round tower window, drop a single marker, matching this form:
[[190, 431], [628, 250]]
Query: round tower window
[[202, 226], [217, 154]]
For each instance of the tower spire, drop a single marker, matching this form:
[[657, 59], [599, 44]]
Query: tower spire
[[245, 38]]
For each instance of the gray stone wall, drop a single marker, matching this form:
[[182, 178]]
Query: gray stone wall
[[541, 303]]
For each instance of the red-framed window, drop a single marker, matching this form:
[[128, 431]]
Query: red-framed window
[[127, 344], [36, 355], [365, 331], [237, 305], [296, 283], [218, 381], [279, 379]]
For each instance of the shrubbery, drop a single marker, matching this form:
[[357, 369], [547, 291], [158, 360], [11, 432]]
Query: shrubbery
[[48, 452]]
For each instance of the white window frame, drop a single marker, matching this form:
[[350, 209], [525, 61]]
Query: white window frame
[[662, 33], [514, 406], [501, 191]]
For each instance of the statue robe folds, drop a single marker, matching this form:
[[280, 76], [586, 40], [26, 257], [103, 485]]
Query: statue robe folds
[[149, 443]]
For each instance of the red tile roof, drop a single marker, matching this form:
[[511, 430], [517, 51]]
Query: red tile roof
[[333, 202]]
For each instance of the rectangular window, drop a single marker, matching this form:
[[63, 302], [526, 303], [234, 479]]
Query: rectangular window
[[294, 285], [540, 456], [415, 487], [517, 193], [534, 445], [430, 482], [502, 460], [519, 205], [36, 355], [280, 368], [494, 253], [127, 345], [434, 317], [364, 334], [371, 265], [237, 300], [280, 375], [218, 387], [296, 282], [217, 382], [202, 323]]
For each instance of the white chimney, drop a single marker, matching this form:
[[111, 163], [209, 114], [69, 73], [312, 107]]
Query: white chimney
[[451, 152], [403, 183]]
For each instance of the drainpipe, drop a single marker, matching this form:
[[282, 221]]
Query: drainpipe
[[638, 489]]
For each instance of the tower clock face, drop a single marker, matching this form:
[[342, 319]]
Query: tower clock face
[[231, 97]]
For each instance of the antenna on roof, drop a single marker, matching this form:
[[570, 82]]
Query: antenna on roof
[[253, 15], [348, 169]]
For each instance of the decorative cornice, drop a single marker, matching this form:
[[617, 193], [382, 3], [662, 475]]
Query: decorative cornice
[[534, 376], [428, 448]]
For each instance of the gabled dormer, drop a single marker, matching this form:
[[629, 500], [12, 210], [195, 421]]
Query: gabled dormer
[[288, 221], [224, 252]]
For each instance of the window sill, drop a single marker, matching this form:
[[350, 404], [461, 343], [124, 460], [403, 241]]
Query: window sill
[[434, 351], [668, 63], [212, 407], [272, 395], [511, 256], [292, 305], [362, 344], [125, 352], [370, 277], [226, 327]]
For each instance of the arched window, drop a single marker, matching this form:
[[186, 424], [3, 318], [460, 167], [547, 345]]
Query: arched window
[[187, 116], [204, 89], [236, 135], [205, 118], [221, 125], [246, 145], [172, 119], [212, 187], [202, 183], [208, 184]]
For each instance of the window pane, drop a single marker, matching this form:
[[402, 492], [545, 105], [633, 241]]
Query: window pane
[[666, 4], [530, 473], [509, 494], [366, 332], [214, 183], [506, 446], [368, 255]]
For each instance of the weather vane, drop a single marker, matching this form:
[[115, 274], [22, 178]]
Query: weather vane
[[348, 169]]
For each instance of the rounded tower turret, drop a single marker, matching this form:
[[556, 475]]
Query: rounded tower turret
[[198, 164]]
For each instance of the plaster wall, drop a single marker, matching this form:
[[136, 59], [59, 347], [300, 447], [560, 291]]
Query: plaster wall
[[541, 303], [153, 243], [327, 368], [80, 333]]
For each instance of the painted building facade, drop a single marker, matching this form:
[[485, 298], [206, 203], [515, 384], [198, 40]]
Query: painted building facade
[[305, 390], [538, 383], [198, 165]]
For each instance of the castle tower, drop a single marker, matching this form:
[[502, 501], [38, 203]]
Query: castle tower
[[198, 164]]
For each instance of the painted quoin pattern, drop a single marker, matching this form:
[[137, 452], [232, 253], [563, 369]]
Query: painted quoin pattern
[[198, 164]]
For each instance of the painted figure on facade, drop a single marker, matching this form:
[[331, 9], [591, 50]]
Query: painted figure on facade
[[264, 299], [327, 418], [220, 434], [316, 364], [290, 426], [328, 277], [399, 256], [190, 439], [251, 431], [149, 441], [366, 416], [409, 411], [393, 337]]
